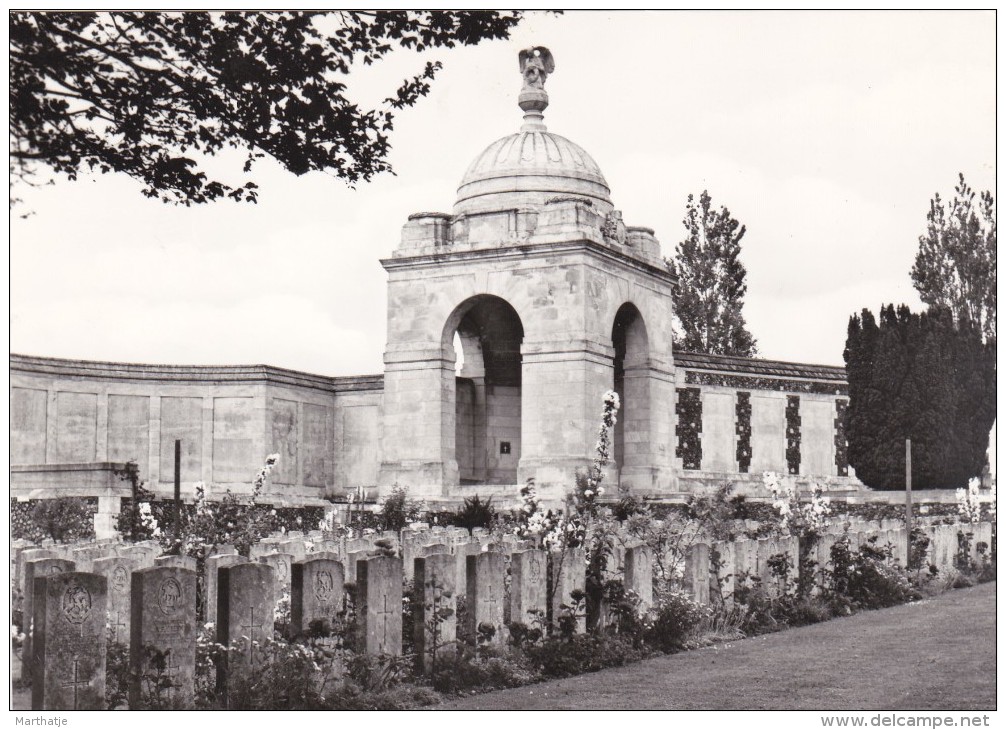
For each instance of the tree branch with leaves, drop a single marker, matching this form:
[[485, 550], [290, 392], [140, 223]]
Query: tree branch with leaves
[[153, 94], [955, 267]]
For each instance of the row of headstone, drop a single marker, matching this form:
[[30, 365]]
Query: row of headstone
[[719, 566], [149, 600], [70, 610]]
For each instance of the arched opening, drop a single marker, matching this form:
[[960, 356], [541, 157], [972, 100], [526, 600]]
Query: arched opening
[[632, 432], [487, 405]]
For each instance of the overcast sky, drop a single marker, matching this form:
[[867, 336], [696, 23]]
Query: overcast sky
[[825, 133]]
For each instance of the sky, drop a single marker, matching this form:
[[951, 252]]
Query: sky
[[825, 133]]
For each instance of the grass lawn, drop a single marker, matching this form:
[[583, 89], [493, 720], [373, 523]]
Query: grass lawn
[[938, 654]]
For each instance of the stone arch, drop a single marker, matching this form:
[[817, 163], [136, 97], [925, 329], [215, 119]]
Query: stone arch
[[632, 435], [483, 402]]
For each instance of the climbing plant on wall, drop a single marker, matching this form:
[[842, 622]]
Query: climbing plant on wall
[[793, 434], [689, 427], [841, 444], [743, 410]]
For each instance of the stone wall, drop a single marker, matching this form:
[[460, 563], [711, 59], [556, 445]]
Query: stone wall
[[740, 417], [329, 431], [228, 420]]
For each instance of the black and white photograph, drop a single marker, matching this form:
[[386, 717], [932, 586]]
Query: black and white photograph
[[498, 360]]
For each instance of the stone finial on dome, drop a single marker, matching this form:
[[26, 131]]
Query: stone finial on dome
[[535, 66]]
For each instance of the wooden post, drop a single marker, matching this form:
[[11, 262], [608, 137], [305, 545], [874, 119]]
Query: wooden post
[[178, 489], [908, 500]]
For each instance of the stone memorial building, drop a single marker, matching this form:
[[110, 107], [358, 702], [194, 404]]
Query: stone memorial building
[[508, 319]]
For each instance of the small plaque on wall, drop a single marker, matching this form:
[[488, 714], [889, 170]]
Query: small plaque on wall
[[504, 447]]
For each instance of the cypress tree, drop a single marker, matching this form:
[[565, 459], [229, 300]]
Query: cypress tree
[[923, 377]]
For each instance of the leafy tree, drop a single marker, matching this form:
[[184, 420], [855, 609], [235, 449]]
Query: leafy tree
[[710, 292], [923, 377], [955, 266], [152, 94]]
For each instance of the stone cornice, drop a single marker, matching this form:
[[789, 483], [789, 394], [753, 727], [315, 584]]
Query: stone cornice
[[524, 251], [755, 366], [194, 374]]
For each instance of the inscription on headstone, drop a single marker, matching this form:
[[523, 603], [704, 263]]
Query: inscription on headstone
[[36, 567], [316, 593], [484, 603], [175, 561], [211, 582], [68, 651], [379, 604], [246, 603], [639, 574], [162, 651], [569, 574], [527, 586], [118, 572], [280, 564], [435, 609]]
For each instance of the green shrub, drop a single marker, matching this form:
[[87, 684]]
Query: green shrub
[[677, 616], [582, 653], [475, 513], [289, 677], [65, 519], [398, 510], [865, 578]]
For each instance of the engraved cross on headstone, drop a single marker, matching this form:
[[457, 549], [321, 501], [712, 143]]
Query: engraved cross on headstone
[[491, 600], [250, 628], [115, 621], [171, 670], [385, 615], [76, 682]]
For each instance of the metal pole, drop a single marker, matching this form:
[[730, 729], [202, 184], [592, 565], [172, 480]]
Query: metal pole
[[178, 489], [908, 498]]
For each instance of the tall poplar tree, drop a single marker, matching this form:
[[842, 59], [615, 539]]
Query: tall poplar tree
[[955, 267], [709, 295]]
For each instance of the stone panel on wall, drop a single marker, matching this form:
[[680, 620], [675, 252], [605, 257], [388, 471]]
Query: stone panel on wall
[[503, 437], [234, 457], [284, 440], [359, 445], [27, 426], [818, 442], [129, 430], [464, 438], [317, 446], [768, 433], [718, 432], [181, 419], [76, 427]]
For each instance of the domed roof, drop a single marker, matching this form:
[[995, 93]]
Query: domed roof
[[531, 164], [528, 168]]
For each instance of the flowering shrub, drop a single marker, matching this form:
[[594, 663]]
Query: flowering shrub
[[796, 517], [865, 578], [969, 508], [675, 618], [531, 522], [136, 520], [288, 677], [231, 521]]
